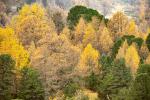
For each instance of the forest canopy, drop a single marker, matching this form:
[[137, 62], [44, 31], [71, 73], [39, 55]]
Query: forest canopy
[[48, 53]]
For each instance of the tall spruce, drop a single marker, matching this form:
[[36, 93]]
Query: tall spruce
[[30, 85], [7, 65]]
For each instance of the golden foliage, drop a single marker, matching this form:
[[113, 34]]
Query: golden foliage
[[89, 36], [96, 23], [132, 59], [143, 51], [55, 57], [105, 41], [66, 32], [122, 50], [118, 24], [89, 59], [32, 24], [132, 28], [9, 44], [91, 95], [79, 31]]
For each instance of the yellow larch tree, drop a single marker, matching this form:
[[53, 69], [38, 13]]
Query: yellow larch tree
[[90, 36], [122, 50], [79, 31], [54, 57], [9, 44], [89, 60], [66, 31], [96, 23], [105, 41], [32, 24], [132, 59], [118, 24], [142, 16], [132, 28]]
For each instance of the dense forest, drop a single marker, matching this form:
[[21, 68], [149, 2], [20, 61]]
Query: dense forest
[[46, 54]]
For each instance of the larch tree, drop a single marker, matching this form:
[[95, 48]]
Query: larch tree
[[66, 31], [142, 16], [79, 31], [105, 41], [55, 60], [118, 24], [32, 24], [122, 50], [90, 36], [89, 60], [96, 23], [132, 28], [143, 51], [132, 59], [9, 44]]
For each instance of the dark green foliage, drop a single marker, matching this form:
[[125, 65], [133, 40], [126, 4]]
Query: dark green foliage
[[139, 42], [81, 11], [70, 89], [123, 94], [7, 65], [116, 47], [140, 89], [130, 39], [148, 42], [117, 77], [30, 85], [114, 77], [92, 82]]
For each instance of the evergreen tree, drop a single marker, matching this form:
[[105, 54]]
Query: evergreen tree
[[148, 42], [115, 76], [7, 65], [140, 89], [30, 85]]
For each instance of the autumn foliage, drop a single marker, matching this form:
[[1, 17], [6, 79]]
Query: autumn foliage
[[82, 56]]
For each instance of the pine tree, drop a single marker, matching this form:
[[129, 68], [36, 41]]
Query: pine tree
[[30, 85], [148, 42], [7, 65], [140, 87]]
